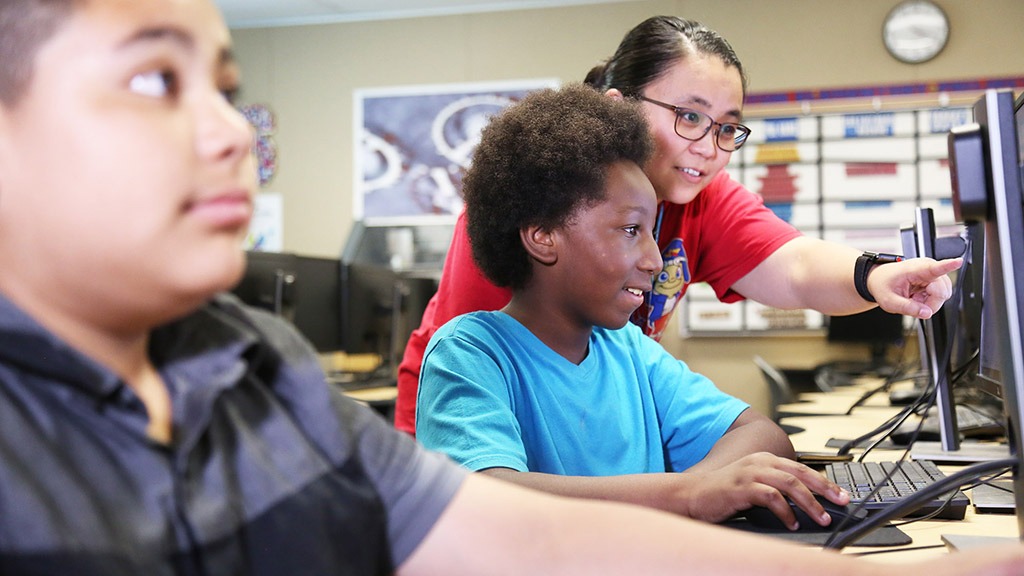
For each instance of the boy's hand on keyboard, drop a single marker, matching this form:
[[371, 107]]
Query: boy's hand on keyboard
[[764, 480]]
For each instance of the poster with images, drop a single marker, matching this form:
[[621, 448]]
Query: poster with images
[[413, 144]]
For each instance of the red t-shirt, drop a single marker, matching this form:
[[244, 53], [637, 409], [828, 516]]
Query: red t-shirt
[[717, 238]]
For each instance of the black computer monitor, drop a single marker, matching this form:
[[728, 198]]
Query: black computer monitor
[[317, 303], [949, 346], [269, 282], [967, 345], [369, 297], [304, 290], [935, 335], [381, 307], [987, 164], [965, 336], [875, 330]]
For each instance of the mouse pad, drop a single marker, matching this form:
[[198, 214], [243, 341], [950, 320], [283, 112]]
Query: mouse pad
[[887, 535]]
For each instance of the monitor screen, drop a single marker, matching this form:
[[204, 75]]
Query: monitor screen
[[268, 282], [381, 306], [1003, 228], [876, 330], [987, 165], [304, 290], [968, 243], [317, 301], [370, 294], [936, 334]]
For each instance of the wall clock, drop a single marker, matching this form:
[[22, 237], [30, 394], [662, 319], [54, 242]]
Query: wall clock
[[915, 31]]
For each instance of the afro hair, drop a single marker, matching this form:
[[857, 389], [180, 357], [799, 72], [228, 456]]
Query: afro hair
[[538, 162]]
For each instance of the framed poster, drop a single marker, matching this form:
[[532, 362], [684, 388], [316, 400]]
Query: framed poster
[[413, 144]]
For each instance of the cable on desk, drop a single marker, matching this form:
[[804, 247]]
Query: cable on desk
[[899, 372], [898, 549], [932, 494], [840, 539], [895, 425], [927, 397], [930, 515], [887, 427], [989, 482]]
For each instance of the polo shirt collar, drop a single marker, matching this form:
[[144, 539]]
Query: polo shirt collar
[[185, 344]]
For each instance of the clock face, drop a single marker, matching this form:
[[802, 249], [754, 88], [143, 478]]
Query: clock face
[[915, 31]]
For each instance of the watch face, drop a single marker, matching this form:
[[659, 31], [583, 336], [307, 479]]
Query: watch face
[[915, 31]]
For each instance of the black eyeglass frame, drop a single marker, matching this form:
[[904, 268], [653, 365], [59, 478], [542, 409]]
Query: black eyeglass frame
[[742, 132]]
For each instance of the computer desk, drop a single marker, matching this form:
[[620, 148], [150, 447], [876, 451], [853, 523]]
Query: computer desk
[[378, 393], [827, 419]]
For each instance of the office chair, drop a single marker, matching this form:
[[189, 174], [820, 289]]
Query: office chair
[[780, 392]]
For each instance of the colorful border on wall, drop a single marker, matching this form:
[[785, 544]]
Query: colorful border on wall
[[929, 94]]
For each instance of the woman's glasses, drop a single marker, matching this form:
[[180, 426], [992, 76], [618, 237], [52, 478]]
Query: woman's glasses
[[694, 125]]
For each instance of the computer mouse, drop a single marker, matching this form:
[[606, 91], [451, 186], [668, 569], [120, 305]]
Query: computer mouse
[[762, 517]]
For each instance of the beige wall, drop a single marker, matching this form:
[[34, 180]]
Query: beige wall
[[307, 74]]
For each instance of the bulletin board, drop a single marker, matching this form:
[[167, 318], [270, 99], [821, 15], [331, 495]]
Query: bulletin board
[[848, 165]]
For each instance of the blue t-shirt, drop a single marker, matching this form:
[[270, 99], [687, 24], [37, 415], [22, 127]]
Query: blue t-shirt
[[493, 395]]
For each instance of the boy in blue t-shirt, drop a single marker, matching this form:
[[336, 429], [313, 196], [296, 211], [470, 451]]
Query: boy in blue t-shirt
[[558, 391]]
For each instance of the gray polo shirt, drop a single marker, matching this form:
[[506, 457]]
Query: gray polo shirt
[[271, 471]]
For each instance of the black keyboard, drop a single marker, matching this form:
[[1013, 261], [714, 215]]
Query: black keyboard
[[860, 478], [971, 421]]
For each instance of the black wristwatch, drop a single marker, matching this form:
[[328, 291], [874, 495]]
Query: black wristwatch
[[865, 262]]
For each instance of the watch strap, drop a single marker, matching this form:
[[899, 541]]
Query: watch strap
[[861, 269]]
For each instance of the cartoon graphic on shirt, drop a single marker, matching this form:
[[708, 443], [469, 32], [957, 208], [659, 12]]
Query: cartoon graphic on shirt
[[667, 288]]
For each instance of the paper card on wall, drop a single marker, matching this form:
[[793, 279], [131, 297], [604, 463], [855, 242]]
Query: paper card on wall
[[760, 318], [885, 239], [713, 316], [941, 121], [779, 152], [783, 129], [868, 181], [266, 230], [899, 149], [866, 213], [783, 183], [868, 125], [935, 181], [933, 146]]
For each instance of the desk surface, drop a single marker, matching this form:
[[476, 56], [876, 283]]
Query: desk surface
[[826, 419]]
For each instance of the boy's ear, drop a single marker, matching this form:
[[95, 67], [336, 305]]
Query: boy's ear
[[614, 94], [540, 244]]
